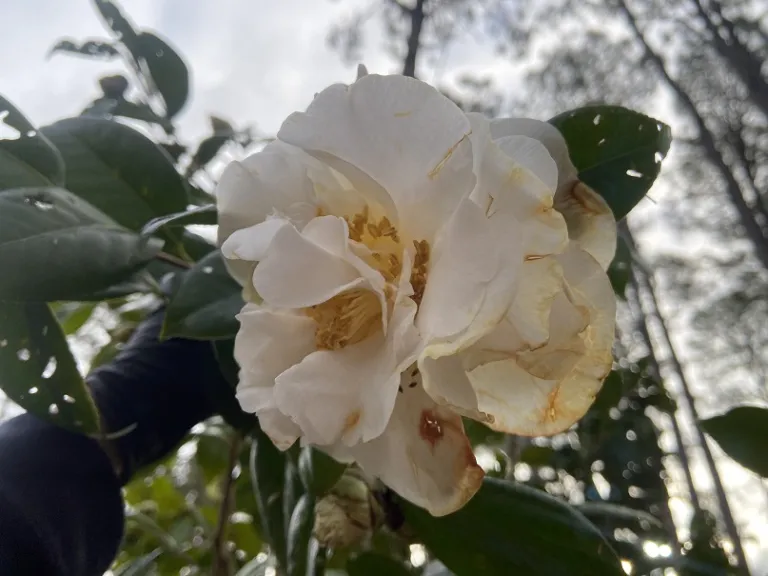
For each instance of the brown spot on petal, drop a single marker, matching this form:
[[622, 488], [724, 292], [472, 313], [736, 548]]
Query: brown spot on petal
[[430, 427], [402, 114], [550, 412], [439, 166], [353, 418]]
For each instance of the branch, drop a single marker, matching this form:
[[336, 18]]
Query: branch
[[417, 21], [173, 260], [222, 559]]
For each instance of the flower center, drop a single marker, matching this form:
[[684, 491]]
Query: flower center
[[352, 316], [346, 319]]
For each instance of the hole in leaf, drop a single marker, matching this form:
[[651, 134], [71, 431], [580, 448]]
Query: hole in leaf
[[23, 354], [33, 390], [3, 343], [68, 399], [658, 157], [596, 120], [45, 330], [634, 174], [50, 368], [53, 409], [602, 141], [658, 126], [39, 201], [640, 128], [31, 133], [207, 269]]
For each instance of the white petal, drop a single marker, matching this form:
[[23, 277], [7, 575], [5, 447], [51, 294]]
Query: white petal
[[298, 272], [251, 243], [268, 343], [347, 395], [544, 133], [447, 384], [424, 454], [520, 401], [533, 155], [403, 134], [590, 221]]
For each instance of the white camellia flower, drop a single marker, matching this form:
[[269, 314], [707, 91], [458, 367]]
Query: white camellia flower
[[405, 264]]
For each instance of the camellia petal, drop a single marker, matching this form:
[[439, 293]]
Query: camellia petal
[[406, 136], [424, 454]]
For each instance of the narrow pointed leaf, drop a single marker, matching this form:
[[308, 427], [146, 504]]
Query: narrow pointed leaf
[[742, 433]]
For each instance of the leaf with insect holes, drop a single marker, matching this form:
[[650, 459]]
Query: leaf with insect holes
[[37, 370]]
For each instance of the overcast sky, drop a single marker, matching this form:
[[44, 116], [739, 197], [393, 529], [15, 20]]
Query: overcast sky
[[253, 62]]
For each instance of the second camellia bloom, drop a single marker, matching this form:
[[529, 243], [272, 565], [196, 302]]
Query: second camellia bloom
[[406, 264]]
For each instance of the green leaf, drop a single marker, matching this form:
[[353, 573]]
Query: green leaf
[[620, 270], [201, 215], [115, 19], [371, 564], [612, 516], [72, 315], [107, 107], [318, 471], [742, 433], [299, 536], [169, 73], [514, 529], [92, 48], [204, 302], [118, 170], [616, 151], [140, 566], [29, 160], [62, 248], [267, 465], [37, 370]]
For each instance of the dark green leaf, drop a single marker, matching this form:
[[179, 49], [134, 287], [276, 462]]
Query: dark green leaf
[[514, 529], [616, 151], [299, 535], [62, 248], [72, 315], [29, 160], [267, 467], [620, 269], [610, 393], [168, 71], [115, 19], [206, 152], [93, 48], [371, 564], [204, 302], [742, 433], [107, 107], [612, 516], [118, 170], [319, 472], [37, 370], [200, 215]]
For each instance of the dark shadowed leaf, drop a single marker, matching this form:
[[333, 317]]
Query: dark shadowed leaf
[[61, 248], [224, 400], [37, 370], [92, 48], [617, 152], [29, 160], [610, 517], [514, 529], [204, 303], [168, 71], [371, 564], [620, 269], [118, 170], [267, 465], [742, 433]]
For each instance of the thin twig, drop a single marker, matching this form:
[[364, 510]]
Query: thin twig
[[222, 558], [174, 260]]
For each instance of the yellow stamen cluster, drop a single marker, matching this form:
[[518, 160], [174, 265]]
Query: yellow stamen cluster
[[346, 319], [419, 272]]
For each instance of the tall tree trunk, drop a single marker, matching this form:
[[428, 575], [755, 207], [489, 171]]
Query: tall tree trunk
[[707, 141], [650, 307], [414, 38]]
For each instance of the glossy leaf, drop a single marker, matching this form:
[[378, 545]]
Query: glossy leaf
[[514, 529], [204, 302], [118, 170], [169, 72], [617, 152], [299, 536], [742, 433], [37, 370], [200, 215], [371, 564], [29, 160], [61, 248], [267, 476]]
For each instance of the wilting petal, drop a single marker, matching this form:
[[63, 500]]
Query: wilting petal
[[590, 221], [298, 272], [347, 395], [424, 454], [407, 137], [268, 343]]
